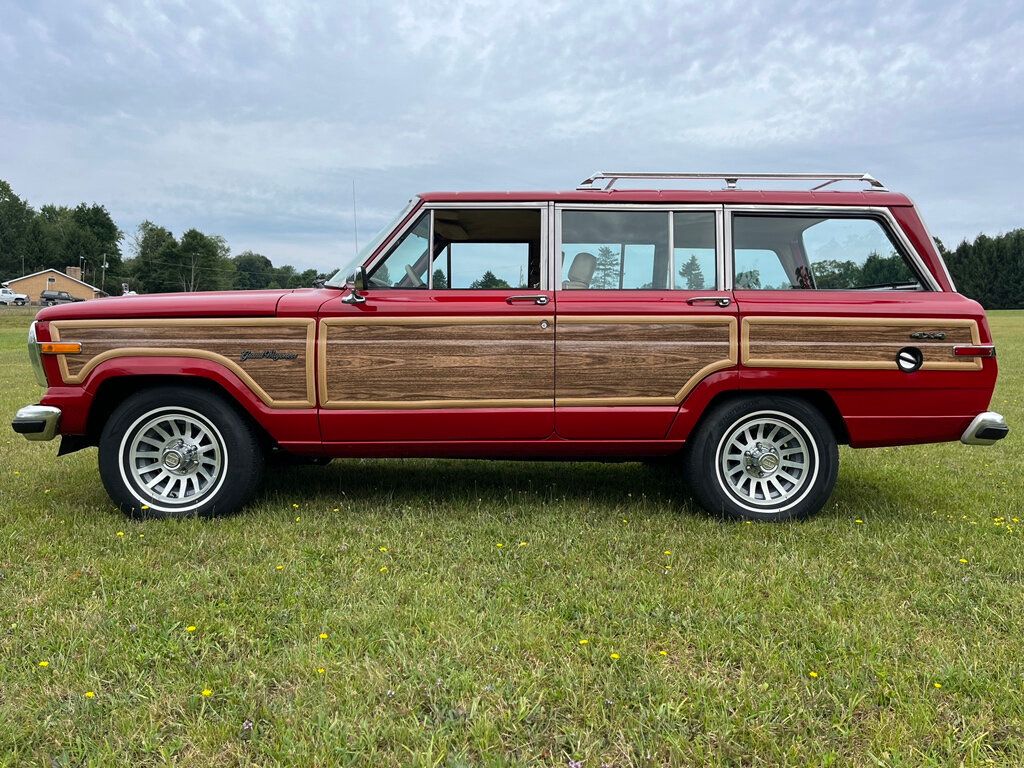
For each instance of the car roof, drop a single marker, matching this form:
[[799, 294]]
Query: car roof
[[679, 196]]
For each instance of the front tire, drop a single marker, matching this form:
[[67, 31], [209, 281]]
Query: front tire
[[173, 452], [763, 458]]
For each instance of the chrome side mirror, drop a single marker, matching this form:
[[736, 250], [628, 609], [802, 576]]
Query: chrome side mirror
[[355, 283]]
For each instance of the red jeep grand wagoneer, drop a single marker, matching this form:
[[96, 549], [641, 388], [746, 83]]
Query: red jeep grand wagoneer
[[743, 334]]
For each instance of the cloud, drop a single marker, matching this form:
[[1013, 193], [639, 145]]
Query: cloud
[[252, 121]]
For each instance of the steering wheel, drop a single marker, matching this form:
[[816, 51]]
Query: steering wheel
[[416, 282]]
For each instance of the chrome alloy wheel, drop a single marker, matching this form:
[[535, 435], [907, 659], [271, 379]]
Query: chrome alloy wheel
[[767, 461], [173, 458]]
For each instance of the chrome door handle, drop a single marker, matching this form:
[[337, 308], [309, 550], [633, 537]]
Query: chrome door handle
[[721, 301], [540, 300]]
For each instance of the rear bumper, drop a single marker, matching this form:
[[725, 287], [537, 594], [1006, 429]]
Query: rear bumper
[[37, 422], [985, 429]]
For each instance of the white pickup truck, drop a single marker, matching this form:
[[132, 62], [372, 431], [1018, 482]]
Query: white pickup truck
[[8, 297]]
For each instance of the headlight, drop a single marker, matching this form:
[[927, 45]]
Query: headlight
[[35, 356]]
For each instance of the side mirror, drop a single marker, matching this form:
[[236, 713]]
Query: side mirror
[[355, 283]]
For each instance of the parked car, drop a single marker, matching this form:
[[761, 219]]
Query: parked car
[[741, 335], [9, 297], [50, 298]]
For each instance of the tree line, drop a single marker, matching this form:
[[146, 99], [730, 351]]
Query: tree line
[[86, 236]]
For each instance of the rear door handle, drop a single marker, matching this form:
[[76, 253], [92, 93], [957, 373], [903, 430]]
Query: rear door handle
[[539, 299], [721, 301]]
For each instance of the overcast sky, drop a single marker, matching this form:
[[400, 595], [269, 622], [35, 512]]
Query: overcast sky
[[251, 120]]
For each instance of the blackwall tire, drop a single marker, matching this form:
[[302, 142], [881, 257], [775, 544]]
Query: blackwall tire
[[177, 452], [763, 458]]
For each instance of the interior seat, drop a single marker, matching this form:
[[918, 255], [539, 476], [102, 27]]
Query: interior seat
[[581, 271]]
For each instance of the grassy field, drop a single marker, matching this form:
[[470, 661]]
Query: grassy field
[[459, 613]]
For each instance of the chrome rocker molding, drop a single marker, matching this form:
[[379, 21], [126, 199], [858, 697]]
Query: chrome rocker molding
[[985, 429], [37, 422]]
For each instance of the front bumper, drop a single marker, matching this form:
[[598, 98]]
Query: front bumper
[[987, 428], [37, 422]]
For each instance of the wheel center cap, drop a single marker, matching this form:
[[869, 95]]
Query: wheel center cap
[[180, 457], [761, 460]]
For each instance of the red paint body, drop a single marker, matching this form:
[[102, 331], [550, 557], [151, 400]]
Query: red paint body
[[877, 407]]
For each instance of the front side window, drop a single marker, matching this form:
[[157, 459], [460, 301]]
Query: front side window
[[622, 250], [817, 253], [486, 249], [477, 249]]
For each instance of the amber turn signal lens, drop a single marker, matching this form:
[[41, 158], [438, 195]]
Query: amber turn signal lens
[[60, 347]]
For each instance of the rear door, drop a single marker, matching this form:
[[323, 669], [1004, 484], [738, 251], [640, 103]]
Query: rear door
[[642, 316], [455, 341]]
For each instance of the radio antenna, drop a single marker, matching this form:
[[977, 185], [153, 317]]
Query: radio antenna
[[355, 220]]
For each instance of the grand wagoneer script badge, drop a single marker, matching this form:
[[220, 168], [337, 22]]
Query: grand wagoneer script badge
[[267, 354]]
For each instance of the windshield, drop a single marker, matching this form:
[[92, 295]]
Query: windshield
[[338, 278]]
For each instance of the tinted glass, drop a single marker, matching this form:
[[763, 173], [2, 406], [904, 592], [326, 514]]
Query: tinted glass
[[804, 253], [693, 250], [614, 250]]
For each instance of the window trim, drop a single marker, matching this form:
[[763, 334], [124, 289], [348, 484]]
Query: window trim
[[880, 214], [671, 209]]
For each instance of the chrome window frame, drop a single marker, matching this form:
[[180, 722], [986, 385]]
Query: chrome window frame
[[893, 229], [671, 209], [542, 206]]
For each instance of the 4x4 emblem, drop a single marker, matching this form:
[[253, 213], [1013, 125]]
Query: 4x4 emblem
[[934, 335]]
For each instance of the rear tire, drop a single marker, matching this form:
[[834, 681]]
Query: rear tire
[[763, 458], [178, 452]]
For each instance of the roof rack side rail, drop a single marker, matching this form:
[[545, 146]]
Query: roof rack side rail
[[610, 178]]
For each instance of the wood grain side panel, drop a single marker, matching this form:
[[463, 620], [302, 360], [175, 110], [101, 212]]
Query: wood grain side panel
[[273, 357], [638, 360], [437, 363], [853, 343]]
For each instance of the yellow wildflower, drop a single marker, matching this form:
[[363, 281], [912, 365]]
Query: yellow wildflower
[[278, 567], [858, 521], [524, 543], [499, 545], [583, 641], [383, 569], [190, 628], [615, 657], [120, 534], [207, 693], [324, 635], [812, 674], [663, 653], [320, 670], [937, 685], [382, 549], [668, 551], [963, 559], [90, 695], [44, 664]]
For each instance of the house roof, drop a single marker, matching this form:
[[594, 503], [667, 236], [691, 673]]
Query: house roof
[[56, 271]]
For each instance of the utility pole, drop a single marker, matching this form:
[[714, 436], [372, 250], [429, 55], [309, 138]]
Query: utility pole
[[103, 280]]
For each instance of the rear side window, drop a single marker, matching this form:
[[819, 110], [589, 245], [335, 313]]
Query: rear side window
[[817, 253], [638, 250]]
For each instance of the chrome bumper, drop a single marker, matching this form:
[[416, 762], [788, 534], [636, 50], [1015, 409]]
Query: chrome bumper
[[987, 428], [37, 422]]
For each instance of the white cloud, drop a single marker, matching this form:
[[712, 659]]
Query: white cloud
[[252, 120]]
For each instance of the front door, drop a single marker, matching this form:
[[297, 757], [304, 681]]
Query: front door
[[455, 341], [642, 318]]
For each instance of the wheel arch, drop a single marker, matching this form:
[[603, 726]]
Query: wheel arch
[[113, 390], [820, 399]]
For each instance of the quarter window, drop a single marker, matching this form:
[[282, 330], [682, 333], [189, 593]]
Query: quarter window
[[817, 253]]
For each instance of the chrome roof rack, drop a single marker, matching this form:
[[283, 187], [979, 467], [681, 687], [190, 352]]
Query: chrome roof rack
[[731, 179]]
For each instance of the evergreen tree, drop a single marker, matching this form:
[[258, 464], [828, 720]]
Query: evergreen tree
[[606, 272], [692, 274], [440, 280], [489, 280]]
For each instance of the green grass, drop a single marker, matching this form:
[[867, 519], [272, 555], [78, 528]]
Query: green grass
[[467, 649]]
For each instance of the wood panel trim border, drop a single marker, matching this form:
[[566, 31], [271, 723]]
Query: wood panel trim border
[[57, 326], [687, 387], [408, 405], [904, 322]]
